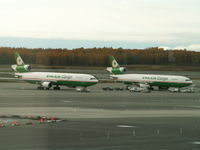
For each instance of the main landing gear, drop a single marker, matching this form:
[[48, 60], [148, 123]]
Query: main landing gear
[[47, 88], [82, 89], [40, 88], [56, 88]]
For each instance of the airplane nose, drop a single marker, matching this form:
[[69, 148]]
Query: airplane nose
[[96, 80]]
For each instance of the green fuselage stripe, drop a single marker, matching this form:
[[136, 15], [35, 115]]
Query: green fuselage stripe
[[169, 84], [65, 83], [162, 84]]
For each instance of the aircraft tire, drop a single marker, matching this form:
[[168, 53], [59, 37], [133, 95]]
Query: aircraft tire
[[40, 88], [56, 88]]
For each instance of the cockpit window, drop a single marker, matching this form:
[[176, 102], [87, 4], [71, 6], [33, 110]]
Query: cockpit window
[[92, 78], [187, 80]]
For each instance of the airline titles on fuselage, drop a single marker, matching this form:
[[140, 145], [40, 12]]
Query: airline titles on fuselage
[[155, 78], [59, 77]]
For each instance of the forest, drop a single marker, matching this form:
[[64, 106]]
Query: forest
[[99, 56]]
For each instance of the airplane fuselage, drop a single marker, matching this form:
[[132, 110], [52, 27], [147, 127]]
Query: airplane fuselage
[[65, 79], [154, 80]]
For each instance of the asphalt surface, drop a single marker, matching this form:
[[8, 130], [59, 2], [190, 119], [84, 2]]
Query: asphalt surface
[[101, 120]]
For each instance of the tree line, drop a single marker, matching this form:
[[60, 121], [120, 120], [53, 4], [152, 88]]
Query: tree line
[[99, 56]]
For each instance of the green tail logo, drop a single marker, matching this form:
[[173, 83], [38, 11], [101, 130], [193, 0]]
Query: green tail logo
[[18, 59], [115, 69], [113, 62], [20, 66]]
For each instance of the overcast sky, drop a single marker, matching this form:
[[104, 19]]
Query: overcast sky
[[137, 23]]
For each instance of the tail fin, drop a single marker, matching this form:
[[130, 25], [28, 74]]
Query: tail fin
[[113, 62], [115, 69], [18, 59], [20, 66]]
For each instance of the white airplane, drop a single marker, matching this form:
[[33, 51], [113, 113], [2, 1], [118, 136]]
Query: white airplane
[[46, 80], [146, 80]]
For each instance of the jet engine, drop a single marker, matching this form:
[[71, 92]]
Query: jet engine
[[46, 84], [144, 85], [21, 69], [119, 70]]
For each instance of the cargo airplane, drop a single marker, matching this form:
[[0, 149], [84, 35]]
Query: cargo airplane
[[46, 80], [146, 80]]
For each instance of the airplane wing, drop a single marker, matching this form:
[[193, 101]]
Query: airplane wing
[[49, 81], [9, 79], [7, 76], [6, 73]]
